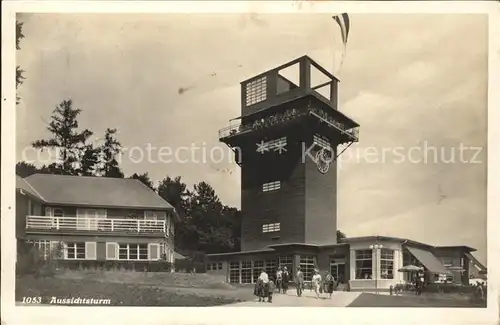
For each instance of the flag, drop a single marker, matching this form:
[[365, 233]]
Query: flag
[[344, 23]]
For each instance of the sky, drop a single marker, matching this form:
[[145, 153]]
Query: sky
[[416, 83]]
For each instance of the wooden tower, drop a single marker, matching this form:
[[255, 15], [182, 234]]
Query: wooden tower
[[286, 142]]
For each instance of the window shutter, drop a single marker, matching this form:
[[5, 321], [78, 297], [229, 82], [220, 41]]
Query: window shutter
[[65, 251], [162, 250], [111, 251], [49, 211], [153, 251], [90, 250]]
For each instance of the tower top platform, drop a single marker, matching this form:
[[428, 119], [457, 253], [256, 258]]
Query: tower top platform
[[293, 86], [297, 78]]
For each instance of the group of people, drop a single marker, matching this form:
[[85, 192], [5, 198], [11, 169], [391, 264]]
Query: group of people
[[326, 285], [265, 286]]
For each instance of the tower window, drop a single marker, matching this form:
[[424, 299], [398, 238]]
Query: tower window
[[271, 227], [321, 141], [256, 91], [271, 186]]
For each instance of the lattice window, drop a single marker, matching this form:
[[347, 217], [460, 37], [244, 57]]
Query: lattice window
[[321, 141], [271, 227], [133, 252], [286, 261], [44, 248], [256, 91], [257, 268], [271, 266], [387, 263], [234, 272], [246, 271], [271, 186], [307, 267], [364, 262], [75, 251]]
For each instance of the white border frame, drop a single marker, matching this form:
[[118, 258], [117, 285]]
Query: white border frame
[[13, 314]]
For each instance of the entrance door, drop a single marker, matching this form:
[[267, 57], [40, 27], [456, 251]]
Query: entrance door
[[337, 269]]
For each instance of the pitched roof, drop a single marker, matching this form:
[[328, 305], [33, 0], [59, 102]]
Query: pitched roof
[[23, 186], [96, 191]]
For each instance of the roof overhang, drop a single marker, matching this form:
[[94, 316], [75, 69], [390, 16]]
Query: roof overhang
[[462, 247], [241, 253], [72, 204]]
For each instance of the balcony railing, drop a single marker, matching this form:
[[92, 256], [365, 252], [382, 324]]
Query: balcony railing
[[95, 224], [291, 114]]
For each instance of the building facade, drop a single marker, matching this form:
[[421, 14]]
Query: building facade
[[94, 218], [286, 142]]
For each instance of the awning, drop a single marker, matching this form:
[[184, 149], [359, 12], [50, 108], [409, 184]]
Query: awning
[[475, 261], [429, 260]]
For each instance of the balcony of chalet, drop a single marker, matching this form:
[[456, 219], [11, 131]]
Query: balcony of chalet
[[69, 225], [298, 89]]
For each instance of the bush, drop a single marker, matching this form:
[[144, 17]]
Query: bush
[[188, 265], [28, 260], [138, 266]]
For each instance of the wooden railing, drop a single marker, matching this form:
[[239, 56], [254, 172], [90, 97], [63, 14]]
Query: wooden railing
[[237, 127], [95, 224]]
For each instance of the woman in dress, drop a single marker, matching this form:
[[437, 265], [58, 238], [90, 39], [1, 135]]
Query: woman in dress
[[262, 286], [329, 283], [285, 278], [316, 282]]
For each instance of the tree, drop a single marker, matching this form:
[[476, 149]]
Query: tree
[[110, 150], [144, 178], [340, 236], [89, 161], [207, 227], [68, 142], [232, 218], [19, 71], [175, 192], [24, 169]]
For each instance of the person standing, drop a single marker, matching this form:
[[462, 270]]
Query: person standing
[[285, 277], [279, 279], [270, 291], [264, 289], [339, 282], [316, 282], [329, 283], [299, 281]]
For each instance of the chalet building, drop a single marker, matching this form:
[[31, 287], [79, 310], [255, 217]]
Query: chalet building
[[286, 142], [95, 218]]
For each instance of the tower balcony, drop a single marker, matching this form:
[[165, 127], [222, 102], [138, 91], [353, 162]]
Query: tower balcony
[[347, 132]]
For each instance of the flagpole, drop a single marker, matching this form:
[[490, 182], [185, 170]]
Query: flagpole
[[334, 54]]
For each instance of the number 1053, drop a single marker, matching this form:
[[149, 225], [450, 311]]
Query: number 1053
[[32, 300]]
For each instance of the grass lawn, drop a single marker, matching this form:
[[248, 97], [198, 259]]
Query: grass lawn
[[373, 300], [127, 294]]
